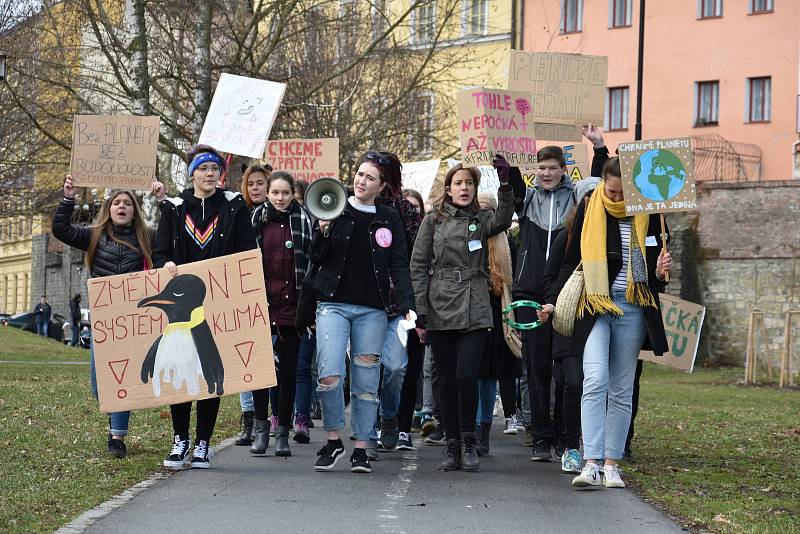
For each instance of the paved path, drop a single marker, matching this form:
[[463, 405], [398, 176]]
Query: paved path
[[404, 493]]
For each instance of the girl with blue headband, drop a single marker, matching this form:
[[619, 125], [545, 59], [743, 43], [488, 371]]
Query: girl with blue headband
[[203, 222]]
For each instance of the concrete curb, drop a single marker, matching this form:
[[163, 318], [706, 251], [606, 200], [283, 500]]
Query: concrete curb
[[88, 518]]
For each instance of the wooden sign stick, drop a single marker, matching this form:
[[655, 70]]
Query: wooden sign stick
[[664, 241]]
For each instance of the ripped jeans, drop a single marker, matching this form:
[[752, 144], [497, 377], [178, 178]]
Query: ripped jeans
[[365, 329]]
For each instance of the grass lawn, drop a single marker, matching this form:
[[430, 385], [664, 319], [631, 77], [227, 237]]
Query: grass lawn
[[718, 455], [53, 438]]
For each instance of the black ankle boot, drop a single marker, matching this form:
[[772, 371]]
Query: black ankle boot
[[469, 453], [245, 438], [483, 434], [261, 440], [452, 456], [282, 442]]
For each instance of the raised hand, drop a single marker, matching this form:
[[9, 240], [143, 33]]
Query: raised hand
[[502, 167], [69, 189], [158, 190], [594, 134]]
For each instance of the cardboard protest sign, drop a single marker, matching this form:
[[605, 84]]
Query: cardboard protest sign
[[114, 151], [578, 165], [494, 121], [569, 90], [657, 176], [241, 115], [305, 159], [420, 176], [682, 321], [161, 340]]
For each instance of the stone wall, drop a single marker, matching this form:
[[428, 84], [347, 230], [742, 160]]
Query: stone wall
[[738, 253]]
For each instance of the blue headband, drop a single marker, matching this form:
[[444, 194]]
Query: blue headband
[[205, 157]]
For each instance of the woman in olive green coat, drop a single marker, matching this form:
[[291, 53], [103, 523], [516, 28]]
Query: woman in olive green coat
[[451, 285]]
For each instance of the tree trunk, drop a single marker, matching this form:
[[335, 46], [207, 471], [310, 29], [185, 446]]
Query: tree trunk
[[202, 64], [140, 73]]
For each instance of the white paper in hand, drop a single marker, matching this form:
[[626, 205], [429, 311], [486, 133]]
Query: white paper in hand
[[405, 325]]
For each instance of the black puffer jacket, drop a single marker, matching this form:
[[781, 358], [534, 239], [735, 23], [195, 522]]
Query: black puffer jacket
[[110, 257]]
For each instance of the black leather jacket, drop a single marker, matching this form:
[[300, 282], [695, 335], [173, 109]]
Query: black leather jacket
[[110, 257]]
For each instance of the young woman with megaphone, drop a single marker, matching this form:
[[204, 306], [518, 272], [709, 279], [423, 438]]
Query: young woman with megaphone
[[355, 256]]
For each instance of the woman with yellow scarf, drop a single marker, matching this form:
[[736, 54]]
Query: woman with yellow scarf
[[618, 315]]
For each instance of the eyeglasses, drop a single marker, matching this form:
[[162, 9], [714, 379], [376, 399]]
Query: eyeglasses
[[376, 156]]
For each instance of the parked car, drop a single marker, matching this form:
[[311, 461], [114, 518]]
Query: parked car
[[27, 322]]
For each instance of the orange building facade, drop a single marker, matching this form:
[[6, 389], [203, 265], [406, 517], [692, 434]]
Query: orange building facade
[[712, 68]]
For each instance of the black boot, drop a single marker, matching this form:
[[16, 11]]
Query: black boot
[[452, 456], [469, 453], [261, 440], [478, 444], [483, 433], [282, 442], [246, 438]]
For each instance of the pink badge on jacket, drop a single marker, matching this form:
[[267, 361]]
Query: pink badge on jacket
[[384, 237]]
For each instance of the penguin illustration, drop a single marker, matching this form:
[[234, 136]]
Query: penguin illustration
[[186, 347]]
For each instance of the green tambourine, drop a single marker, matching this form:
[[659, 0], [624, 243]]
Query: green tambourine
[[521, 304]]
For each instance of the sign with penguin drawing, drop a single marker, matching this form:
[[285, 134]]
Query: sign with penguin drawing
[[161, 340]]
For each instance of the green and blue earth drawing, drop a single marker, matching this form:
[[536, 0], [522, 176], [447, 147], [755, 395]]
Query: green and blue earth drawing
[[659, 175]]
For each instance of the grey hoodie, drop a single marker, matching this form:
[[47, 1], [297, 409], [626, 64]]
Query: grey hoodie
[[548, 209]]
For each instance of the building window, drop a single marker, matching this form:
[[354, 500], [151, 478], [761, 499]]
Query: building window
[[759, 99], [617, 116], [475, 16], [423, 23], [380, 20], [620, 13], [571, 16], [420, 141], [761, 6], [707, 98], [709, 9]]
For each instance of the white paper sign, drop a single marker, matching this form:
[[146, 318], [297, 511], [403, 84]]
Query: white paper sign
[[241, 115], [420, 176]]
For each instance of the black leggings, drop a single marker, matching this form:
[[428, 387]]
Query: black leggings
[[408, 394], [458, 355], [207, 410], [287, 348], [508, 396]]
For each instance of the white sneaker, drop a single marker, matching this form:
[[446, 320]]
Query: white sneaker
[[611, 478], [590, 476], [511, 426]]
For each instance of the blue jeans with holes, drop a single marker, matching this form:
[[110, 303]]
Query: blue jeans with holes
[[609, 366], [365, 329], [304, 382], [487, 395], [118, 421]]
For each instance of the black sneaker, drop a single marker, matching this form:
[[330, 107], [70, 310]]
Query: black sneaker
[[416, 424], [436, 437], [116, 447], [329, 455], [389, 434], [405, 443], [179, 455], [359, 463], [202, 456], [541, 452]]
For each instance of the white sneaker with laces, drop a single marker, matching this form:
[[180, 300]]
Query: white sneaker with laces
[[512, 427], [611, 478], [590, 476], [201, 458]]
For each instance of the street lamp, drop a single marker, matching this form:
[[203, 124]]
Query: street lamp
[[3, 58]]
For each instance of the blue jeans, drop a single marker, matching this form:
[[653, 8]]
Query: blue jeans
[[487, 394], [609, 366], [118, 421], [304, 382], [394, 360], [246, 401], [42, 328], [365, 329]]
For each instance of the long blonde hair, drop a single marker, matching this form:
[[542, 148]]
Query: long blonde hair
[[500, 270], [102, 225]]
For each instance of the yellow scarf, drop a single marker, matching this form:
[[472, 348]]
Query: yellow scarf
[[596, 298], [197, 317]]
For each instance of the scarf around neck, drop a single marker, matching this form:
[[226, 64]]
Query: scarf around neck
[[596, 299]]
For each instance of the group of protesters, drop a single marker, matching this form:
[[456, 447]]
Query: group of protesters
[[343, 292]]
